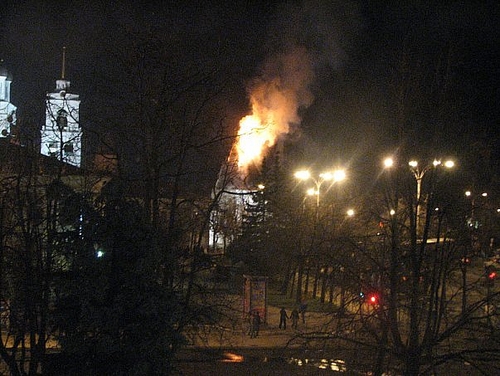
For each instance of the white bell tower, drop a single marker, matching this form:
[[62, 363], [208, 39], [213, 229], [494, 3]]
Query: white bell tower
[[7, 109], [61, 135]]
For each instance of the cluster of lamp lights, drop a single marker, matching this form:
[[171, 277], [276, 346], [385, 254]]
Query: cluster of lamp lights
[[469, 193], [330, 176], [472, 197], [484, 194], [389, 162], [418, 173]]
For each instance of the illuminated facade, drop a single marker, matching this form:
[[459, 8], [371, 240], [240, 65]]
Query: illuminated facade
[[61, 134], [7, 109], [233, 195]]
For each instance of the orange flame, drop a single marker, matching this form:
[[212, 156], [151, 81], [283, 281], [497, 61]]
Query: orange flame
[[253, 137], [275, 99]]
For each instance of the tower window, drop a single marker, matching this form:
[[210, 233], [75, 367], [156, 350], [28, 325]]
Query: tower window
[[68, 148], [62, 119], [52, 146]]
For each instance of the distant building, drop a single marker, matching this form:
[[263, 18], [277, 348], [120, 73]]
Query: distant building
[[234, 191], [7, 109], [61, 134]]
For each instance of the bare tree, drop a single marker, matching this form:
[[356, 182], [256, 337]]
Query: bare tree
[[37, 242]]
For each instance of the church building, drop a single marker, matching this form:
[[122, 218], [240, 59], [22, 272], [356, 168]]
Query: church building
[[7, 109], [61, 135]]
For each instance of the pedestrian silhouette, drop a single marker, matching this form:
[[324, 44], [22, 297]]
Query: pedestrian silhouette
[[249, 320], [283, 317], [255, 326], [302, 310], [295, 318]]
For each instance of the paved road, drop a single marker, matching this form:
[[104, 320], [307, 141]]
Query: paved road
[[270, 336], [274, 352]]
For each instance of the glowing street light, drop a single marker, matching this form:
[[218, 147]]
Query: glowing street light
[[303, 174], [312, 192], [388, 162], [338, 175], [419, 173], [334, 177]]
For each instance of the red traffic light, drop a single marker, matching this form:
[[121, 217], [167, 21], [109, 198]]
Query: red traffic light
[[373, 299]]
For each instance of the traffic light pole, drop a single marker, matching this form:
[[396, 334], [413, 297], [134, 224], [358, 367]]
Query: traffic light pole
[[490, 282]]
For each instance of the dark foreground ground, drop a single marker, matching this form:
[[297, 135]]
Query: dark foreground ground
[[257, 362]]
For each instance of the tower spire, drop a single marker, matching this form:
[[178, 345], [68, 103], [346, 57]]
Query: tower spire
[[63, 84], [63, 71]]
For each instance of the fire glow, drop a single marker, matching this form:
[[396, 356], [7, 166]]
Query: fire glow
[[254, 137], [275, 99]]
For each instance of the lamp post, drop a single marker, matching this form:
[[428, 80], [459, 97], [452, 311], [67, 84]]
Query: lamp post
[[472, 220], [334, 177], [471, 223], [419, 173]]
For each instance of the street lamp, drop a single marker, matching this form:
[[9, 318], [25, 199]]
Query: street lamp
[[334, 177], [471, 222], [419, 173], [388, 162]]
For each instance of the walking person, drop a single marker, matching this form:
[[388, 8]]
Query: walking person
[[283, 317], [295, 318], [256, 324], [302, 310], [250, 323]]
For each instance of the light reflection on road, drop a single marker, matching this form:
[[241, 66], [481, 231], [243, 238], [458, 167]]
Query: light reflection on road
[[232, 358], [337, 365]]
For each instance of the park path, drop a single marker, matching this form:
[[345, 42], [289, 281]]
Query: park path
[[270, 336]]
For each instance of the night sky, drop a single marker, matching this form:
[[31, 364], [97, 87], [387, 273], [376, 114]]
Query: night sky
[[354, 46]]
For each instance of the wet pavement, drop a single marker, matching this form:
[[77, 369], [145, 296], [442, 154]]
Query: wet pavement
[[270, 336], [273, 352]]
